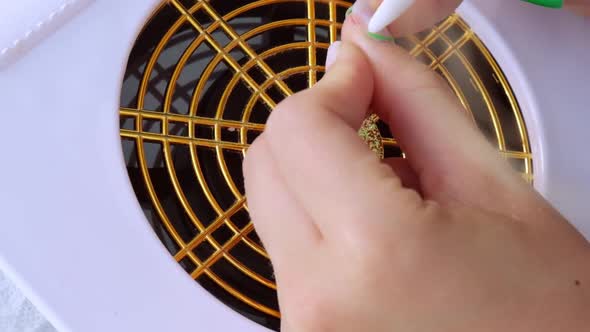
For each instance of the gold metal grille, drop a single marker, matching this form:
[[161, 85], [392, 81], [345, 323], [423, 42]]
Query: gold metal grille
[[201, 81]]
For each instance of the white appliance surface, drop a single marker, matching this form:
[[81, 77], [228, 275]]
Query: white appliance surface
[[30, 21], [73, 236]]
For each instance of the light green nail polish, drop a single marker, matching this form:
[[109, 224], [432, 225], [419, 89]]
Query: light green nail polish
[[349, 11], [547, 3], [379, 37]]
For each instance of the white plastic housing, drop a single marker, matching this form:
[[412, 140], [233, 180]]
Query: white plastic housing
[[72, 234]]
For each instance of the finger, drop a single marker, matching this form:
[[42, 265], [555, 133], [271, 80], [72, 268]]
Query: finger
[[420, 15], [313, 139], [283, 226], [351, 73], [451, 158]]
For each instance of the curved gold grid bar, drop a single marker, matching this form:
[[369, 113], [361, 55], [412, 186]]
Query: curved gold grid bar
[[258, 92]]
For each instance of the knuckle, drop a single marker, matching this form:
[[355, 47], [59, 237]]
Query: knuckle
[[299, 115], [254, 153], [277, 119], [290, 114]]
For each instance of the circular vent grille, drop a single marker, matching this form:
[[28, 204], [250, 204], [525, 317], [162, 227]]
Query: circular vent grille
[[201, 81]]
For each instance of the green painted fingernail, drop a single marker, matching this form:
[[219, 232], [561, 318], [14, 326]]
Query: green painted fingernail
[[547, 3], [349, 11], [379, 37]]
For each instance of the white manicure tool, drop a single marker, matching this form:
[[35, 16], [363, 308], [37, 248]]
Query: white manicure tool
[[388, 12]]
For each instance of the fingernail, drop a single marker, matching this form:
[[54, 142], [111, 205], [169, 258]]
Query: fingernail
[[332, 53], [547, 3], [362, 13]]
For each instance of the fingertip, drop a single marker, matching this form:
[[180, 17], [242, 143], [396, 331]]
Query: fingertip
[[345, 54]]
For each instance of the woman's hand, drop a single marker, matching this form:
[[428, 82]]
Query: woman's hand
[[449, 239]]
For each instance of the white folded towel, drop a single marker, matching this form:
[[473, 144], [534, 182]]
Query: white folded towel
[[25, 23], [17, 314]]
